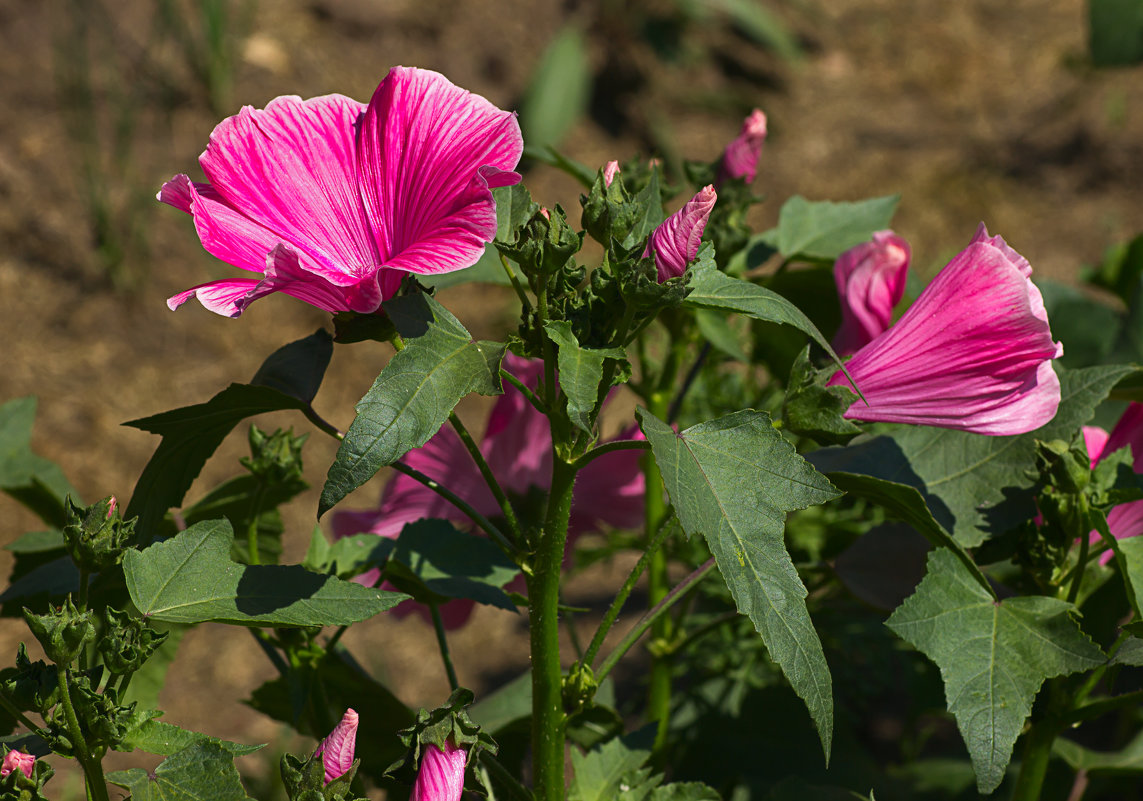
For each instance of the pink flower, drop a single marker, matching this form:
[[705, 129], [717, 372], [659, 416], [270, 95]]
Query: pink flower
[[1126, 519], [675, 242], [973, 352], [610, 170], [740, 159], [336, 750], [332, 201], [17, 760], [441, 777], [517, 444], [870, 281]]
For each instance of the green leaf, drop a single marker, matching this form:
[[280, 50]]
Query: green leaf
[[558, 94], [1129, 653], [716, 330], [414, 394], [504, 705], [609, 773], [974, 485], [1130, 553], [650, 201], [713, 289], [164, 739], [823, 229], [37, 542], [204, 770], [733, 480], [1116, 31], [297, 369], [685, 791], [455, 564], [191, 435], [993, 656], [1086, 327], [35, 482], [1129, 759], [581, 370], [190, 578]]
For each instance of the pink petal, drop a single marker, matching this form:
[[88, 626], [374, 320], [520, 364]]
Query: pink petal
[[973, 353], [518, 441], [740, 159], [610, 490], [1128, 431], [336, 750], [221, 297], [610, 170], [428, 153], [284, 273], [290, 168], [18, 760], [441, 776], [675, 242], [1094, 439], [870, 281]]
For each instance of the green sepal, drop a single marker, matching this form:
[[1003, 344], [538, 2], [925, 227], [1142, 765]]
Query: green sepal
[[544, 245], [304, 780], [96, 535], [449, 724], [30, 686], [815, 410], [63, 631], [275, 458], [128, 642], [608, 211]]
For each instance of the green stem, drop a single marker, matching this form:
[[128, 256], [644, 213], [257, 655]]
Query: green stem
[[92, 766], [1034, 767], [12, 710], [548, 718], [515, 283], [252, 528], [489, 479], [702, 630], [510, 782], [322, 425], [616, 607], [1096, 675], [442, 643], [526, 391], [1099, 708], [1083, 530], [632, 637], [493, 532], [615, 445], [655, 511]]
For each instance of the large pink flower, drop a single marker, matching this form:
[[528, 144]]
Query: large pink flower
[[332, 201], [517, 445], [973, 352], [870, 281], [1126, 519], [675, 242]]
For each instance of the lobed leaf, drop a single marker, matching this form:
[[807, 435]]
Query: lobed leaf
[[581, 370], [165, 739], [203, 770]]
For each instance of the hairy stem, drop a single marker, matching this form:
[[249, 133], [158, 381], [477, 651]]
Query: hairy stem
[[655, 511]]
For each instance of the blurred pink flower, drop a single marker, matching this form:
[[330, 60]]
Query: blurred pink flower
[[740, 159], [17, 760], [675, 242], [517, 444], [332, 201], [973, 352], [336, 750], [441, 775], [610, 170], [1126, 519], [870, 281]]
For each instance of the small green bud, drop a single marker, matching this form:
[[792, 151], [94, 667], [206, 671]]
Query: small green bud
[[608, 211], [128, 642], [1067, 467], [63, 632], [578, 688], [31, 686], [275, 458], [96, 535], [813, 409]]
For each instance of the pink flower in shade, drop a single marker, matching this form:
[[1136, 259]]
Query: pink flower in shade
[[517, 445], [610, 170], [441, 776], [740, 159], [675, 242], [17, 760], [336, 750], [1126, 519], [870, 281], [332, 201]]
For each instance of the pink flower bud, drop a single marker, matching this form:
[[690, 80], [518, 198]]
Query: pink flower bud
[[740, 159], [17, 760], [870, 281], [544, 211], [336, 751], [111, 507], [441, 777], [610, 170], [675, 242], [974, 352]]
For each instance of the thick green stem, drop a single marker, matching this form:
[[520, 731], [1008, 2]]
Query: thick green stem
[[442, 643], [1037, 753], [91, 764], [548, 719], [655, 510]]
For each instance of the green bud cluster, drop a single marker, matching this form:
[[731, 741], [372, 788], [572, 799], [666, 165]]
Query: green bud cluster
[[127, 643], [304, 780], [275, 458], [63, 631], [445, 724], [96, 535]]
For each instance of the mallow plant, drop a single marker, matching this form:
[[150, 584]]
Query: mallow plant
[[842, 517]]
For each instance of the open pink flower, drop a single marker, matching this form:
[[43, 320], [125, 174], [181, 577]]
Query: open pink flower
[[332, 201], [972, 353], [870, 281], [517, 444], [441, 775], [1126, 519], [18, 760], [336, 750], [740, 159], [675, 242]]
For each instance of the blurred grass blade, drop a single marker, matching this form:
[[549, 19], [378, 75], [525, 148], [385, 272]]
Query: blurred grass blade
[[558, 94], [755, 21]]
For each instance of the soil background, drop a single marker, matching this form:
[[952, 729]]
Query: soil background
[[972, 111]]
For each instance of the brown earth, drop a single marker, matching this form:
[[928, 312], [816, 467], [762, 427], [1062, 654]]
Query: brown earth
[[972, 111]]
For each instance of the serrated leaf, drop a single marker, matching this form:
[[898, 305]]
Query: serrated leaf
[[713, 289], [1129, 653], [204, 770], [823, 229], [558, 93], [608, 773], [733, 480], [165, 739], [190, 578], [974, 485], [581, 370], [414, 394], [993, 656], [455, 564], [35, 482]]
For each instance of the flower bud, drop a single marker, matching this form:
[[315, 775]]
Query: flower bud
[[441, 776], [275, 458], [62, 632], [675, 242], [740, 159], [17, 760], [336, 750], [128, 642], [870, 281], [96, 535], [610, 170]]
